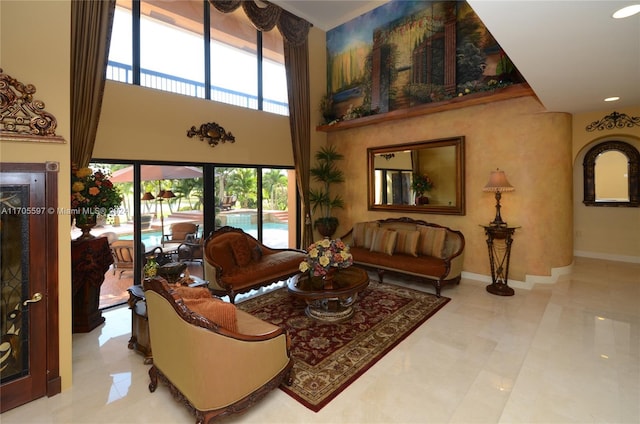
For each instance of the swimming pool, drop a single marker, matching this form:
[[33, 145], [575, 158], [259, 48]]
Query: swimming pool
[[274, 234]]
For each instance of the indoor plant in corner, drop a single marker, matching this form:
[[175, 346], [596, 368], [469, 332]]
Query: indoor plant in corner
[[327, 173]]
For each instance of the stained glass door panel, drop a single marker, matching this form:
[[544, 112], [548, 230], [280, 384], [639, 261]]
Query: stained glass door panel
[[23, 350]]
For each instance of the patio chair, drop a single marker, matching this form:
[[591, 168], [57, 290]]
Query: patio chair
[[192, 251], [145, 221], [123, 256], [228, 202], [182, 232]]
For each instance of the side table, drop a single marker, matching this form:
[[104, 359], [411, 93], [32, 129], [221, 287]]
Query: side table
[[140, 340], [499, 240]]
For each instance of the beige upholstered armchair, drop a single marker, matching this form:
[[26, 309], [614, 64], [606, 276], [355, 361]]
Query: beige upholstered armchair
[[218, 360], [182, 231]]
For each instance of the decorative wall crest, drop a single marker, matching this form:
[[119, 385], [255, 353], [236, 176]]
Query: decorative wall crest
[[22, 117], [212, 133], [614, 120]]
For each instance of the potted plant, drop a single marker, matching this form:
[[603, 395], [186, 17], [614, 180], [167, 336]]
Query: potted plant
[[326, 108], [421, 184], [327, 173]]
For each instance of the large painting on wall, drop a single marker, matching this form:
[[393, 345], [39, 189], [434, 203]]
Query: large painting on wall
[[407, 53]]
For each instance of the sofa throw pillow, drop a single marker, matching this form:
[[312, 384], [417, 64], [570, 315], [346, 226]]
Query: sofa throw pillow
[[407, 242], [192, 292], [363, 234], [384, 241], [216, 311], [431, 241], [221, 254], [241, 250]]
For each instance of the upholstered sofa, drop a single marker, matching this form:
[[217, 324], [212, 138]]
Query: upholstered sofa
[[216, 360], [431, 252], [235, 262]]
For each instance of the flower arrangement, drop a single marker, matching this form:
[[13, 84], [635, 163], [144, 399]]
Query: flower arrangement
[[93, 193], [324, 255], [421, 183]]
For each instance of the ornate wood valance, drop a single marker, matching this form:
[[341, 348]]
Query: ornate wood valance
[[265, 16], [21, 117]]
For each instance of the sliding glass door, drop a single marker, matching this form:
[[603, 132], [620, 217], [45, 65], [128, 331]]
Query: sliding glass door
[[259, 200]]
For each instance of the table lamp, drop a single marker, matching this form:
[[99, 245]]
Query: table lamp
[[498, 183]]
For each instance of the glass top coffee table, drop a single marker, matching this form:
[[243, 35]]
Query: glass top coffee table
[[333, 304]]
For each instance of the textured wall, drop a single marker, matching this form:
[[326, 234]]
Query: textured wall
[[531, 146], [601, 232], [35, 49]]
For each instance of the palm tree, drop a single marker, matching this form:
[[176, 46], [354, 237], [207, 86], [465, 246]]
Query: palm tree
[[185, 189], [243, 183], [271, 182]]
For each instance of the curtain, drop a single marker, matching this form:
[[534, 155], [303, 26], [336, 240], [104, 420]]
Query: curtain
[[297, 58], [91, 23], [295, 31]]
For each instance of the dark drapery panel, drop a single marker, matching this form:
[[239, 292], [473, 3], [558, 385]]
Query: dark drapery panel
[[297, 60], [91, 23], [295, 32]]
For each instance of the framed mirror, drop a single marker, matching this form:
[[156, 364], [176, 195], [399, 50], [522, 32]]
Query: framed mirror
[[421, 177], [611, 175]]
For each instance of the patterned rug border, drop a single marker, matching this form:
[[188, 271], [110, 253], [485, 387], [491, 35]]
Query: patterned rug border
[[417, 298]]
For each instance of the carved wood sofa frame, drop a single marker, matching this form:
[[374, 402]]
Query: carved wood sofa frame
[[438, 271]]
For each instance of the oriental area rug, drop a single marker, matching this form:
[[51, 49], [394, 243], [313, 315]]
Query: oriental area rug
[[330, 356]]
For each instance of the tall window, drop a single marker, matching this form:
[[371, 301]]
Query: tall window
[[246, 66], [172, 46], [234, 59]]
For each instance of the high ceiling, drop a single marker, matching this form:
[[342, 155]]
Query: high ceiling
[[572, 53]]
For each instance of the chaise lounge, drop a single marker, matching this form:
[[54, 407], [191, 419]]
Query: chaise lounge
[[235, 262]]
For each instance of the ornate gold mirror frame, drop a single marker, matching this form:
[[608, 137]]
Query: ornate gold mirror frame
[[393, 170]]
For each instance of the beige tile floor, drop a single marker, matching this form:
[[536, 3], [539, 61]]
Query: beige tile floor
[[568, 352]]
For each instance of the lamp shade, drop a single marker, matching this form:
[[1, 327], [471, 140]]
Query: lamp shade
[[498, 182], [168, 194], [147, 196]]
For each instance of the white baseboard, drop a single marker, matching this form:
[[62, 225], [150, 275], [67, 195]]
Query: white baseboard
[[607, 256], [487, 279], [550, 279], [530, 280]]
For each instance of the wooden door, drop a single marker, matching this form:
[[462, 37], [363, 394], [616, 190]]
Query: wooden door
[[29, 366]]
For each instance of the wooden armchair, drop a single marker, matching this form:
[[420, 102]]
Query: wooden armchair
[[252, 355]]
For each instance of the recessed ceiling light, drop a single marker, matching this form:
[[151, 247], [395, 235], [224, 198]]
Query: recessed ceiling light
[[625, 12], [612, 99]]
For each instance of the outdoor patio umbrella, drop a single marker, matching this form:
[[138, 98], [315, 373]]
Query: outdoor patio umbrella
[[156, 173]]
